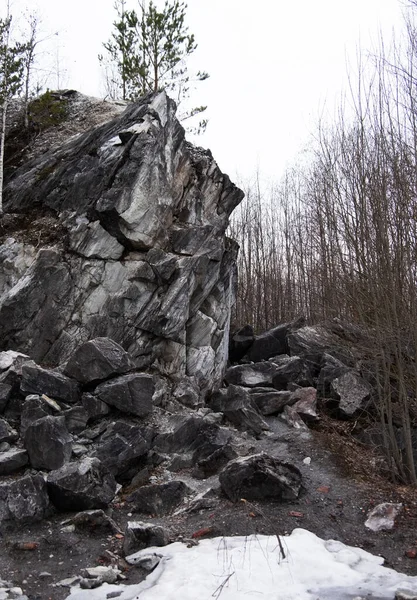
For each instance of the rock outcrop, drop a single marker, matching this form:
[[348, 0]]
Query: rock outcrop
[[130, 224]]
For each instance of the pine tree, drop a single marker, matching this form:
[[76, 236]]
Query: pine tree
[[11, 81], [149, 53], [126, 80]]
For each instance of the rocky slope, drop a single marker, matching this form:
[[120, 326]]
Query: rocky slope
[[122, 425], [97, 464]]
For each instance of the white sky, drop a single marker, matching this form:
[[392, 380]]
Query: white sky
[[273, 64], [250, 568]]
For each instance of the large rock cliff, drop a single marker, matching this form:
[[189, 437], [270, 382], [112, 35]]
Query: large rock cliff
[[120, 232]]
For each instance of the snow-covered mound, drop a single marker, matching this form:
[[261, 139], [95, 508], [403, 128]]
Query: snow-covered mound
[[253, 567]]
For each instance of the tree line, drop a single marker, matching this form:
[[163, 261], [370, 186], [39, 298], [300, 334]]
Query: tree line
[[337, 238]]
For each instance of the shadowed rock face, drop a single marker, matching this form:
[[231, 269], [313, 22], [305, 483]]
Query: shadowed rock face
[[139, 253]]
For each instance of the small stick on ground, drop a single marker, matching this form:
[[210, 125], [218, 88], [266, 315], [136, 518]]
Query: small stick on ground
[[258, 510]]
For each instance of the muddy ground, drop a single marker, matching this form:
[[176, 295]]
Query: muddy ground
[[334, 505]]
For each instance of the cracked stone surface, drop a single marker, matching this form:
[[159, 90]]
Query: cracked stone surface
[[139, 253]]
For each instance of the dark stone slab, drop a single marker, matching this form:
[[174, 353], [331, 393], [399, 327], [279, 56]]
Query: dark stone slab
[[98, 360], [237, 406], [140, 535], [251, 375], [158, 499], [24, 500], [293, 370], [130, 393], [7, 433], [240, 342], [36, 380], [270, 401], [34, 408], [260, 477], [94, 407], [270, 343], [48, 443], [12, 460], [75, 418], [122, 447], [82, 485]]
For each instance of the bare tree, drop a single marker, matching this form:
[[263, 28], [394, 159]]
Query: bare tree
[[337, 237]]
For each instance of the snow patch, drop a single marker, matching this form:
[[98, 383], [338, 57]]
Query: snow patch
[[252, 567]]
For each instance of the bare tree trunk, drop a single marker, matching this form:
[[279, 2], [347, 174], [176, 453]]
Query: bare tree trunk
[[2, 141]]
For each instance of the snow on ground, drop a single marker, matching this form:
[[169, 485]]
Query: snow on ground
[[251, 568]]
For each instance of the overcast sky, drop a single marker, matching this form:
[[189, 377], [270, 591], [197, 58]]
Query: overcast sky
[[274, 65]]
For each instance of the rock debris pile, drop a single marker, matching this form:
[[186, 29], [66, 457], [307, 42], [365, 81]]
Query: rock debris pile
[[77, 431]]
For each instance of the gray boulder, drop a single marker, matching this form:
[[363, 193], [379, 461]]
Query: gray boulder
[[97, 360], [36, 380], [211, 463], [331, 368], [11, 364], [304, 402], [10, 359], [183, 434], [352, 393], [94, 577], [24, 500], [75, 418], [94, 407], [270, 401], [82, 485], [310, 341], [318, 342], [238, 407], [302, 409], [48, 443], [140, 535], [129, 393], [34, 407], [12, 460], [158, 499], [292, 370], [270, 343], [188, 394], [260, 477], [251, 375], [95, 519], [209, 452], [293, 419], [240, 342], [122, 447]]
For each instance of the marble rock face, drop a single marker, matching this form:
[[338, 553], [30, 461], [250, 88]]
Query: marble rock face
[[130, 222]]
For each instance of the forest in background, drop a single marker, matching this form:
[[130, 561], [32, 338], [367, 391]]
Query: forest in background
[[337, 237]]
